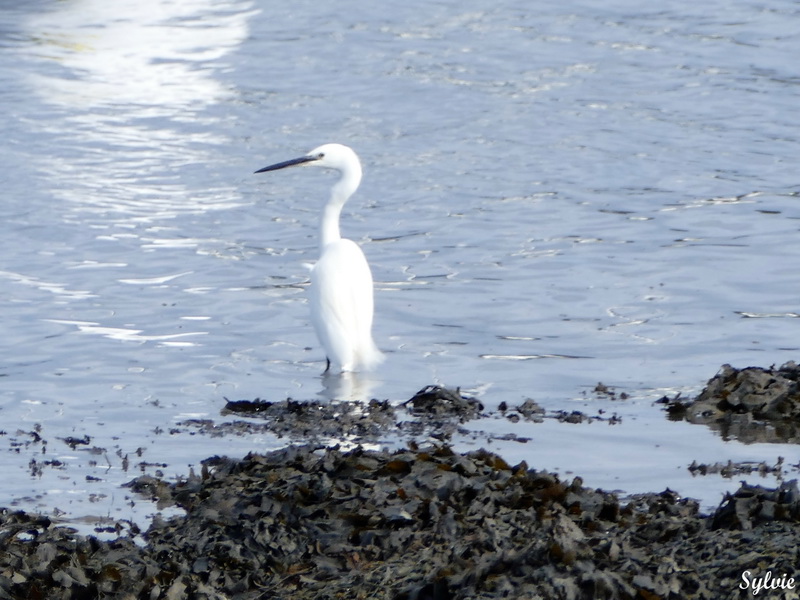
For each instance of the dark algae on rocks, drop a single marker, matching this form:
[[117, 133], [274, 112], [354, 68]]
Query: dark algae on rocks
[[421, 523], [753, 404], [427, 523]]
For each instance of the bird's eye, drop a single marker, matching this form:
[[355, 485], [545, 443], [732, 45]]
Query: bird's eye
[[321, 155]]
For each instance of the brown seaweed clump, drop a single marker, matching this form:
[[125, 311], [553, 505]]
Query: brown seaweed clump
[[436, 401], [419, 524], [751, 405]]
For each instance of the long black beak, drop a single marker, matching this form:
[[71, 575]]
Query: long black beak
[[288, 163]]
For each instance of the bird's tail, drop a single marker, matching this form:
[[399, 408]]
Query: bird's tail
[[369, 357]]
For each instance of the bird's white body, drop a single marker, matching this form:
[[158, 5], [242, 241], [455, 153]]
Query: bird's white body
[[341, 306], [340, 294]]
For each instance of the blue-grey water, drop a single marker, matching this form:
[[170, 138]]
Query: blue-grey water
[[554, 196]]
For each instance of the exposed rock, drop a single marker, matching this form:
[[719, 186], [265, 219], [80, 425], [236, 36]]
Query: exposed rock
[[426, 523], [752, 404], [314, 522], [437, 401]]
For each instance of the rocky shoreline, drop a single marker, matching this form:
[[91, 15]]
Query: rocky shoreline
[[425, 522]]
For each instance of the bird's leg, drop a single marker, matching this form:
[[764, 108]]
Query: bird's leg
[[327, 364]]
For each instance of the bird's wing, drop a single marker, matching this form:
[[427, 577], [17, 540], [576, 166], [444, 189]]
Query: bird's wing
[[341, 301]]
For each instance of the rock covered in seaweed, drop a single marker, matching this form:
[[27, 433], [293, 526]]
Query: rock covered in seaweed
[[753, 404], [312, 522]]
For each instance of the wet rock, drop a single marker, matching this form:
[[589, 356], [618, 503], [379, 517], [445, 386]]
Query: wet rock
[[752, 404], [734, 469], [531, 411], [576, 417], [74, 442], [307, 420], [767, 394], [751, 505], [602, 390], [41, 560], [440, 402], [433, 413], [314, 522]]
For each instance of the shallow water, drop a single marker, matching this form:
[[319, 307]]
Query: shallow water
[[553, 196]]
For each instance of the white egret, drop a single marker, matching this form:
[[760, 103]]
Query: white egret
[[340, 294]]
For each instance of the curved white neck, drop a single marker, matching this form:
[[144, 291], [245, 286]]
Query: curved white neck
[[340, 193]]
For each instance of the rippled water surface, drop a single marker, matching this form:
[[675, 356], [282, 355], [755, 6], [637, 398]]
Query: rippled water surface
[[553, 196]]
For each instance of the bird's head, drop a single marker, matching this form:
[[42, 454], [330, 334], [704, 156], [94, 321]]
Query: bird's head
[[333, 156]]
